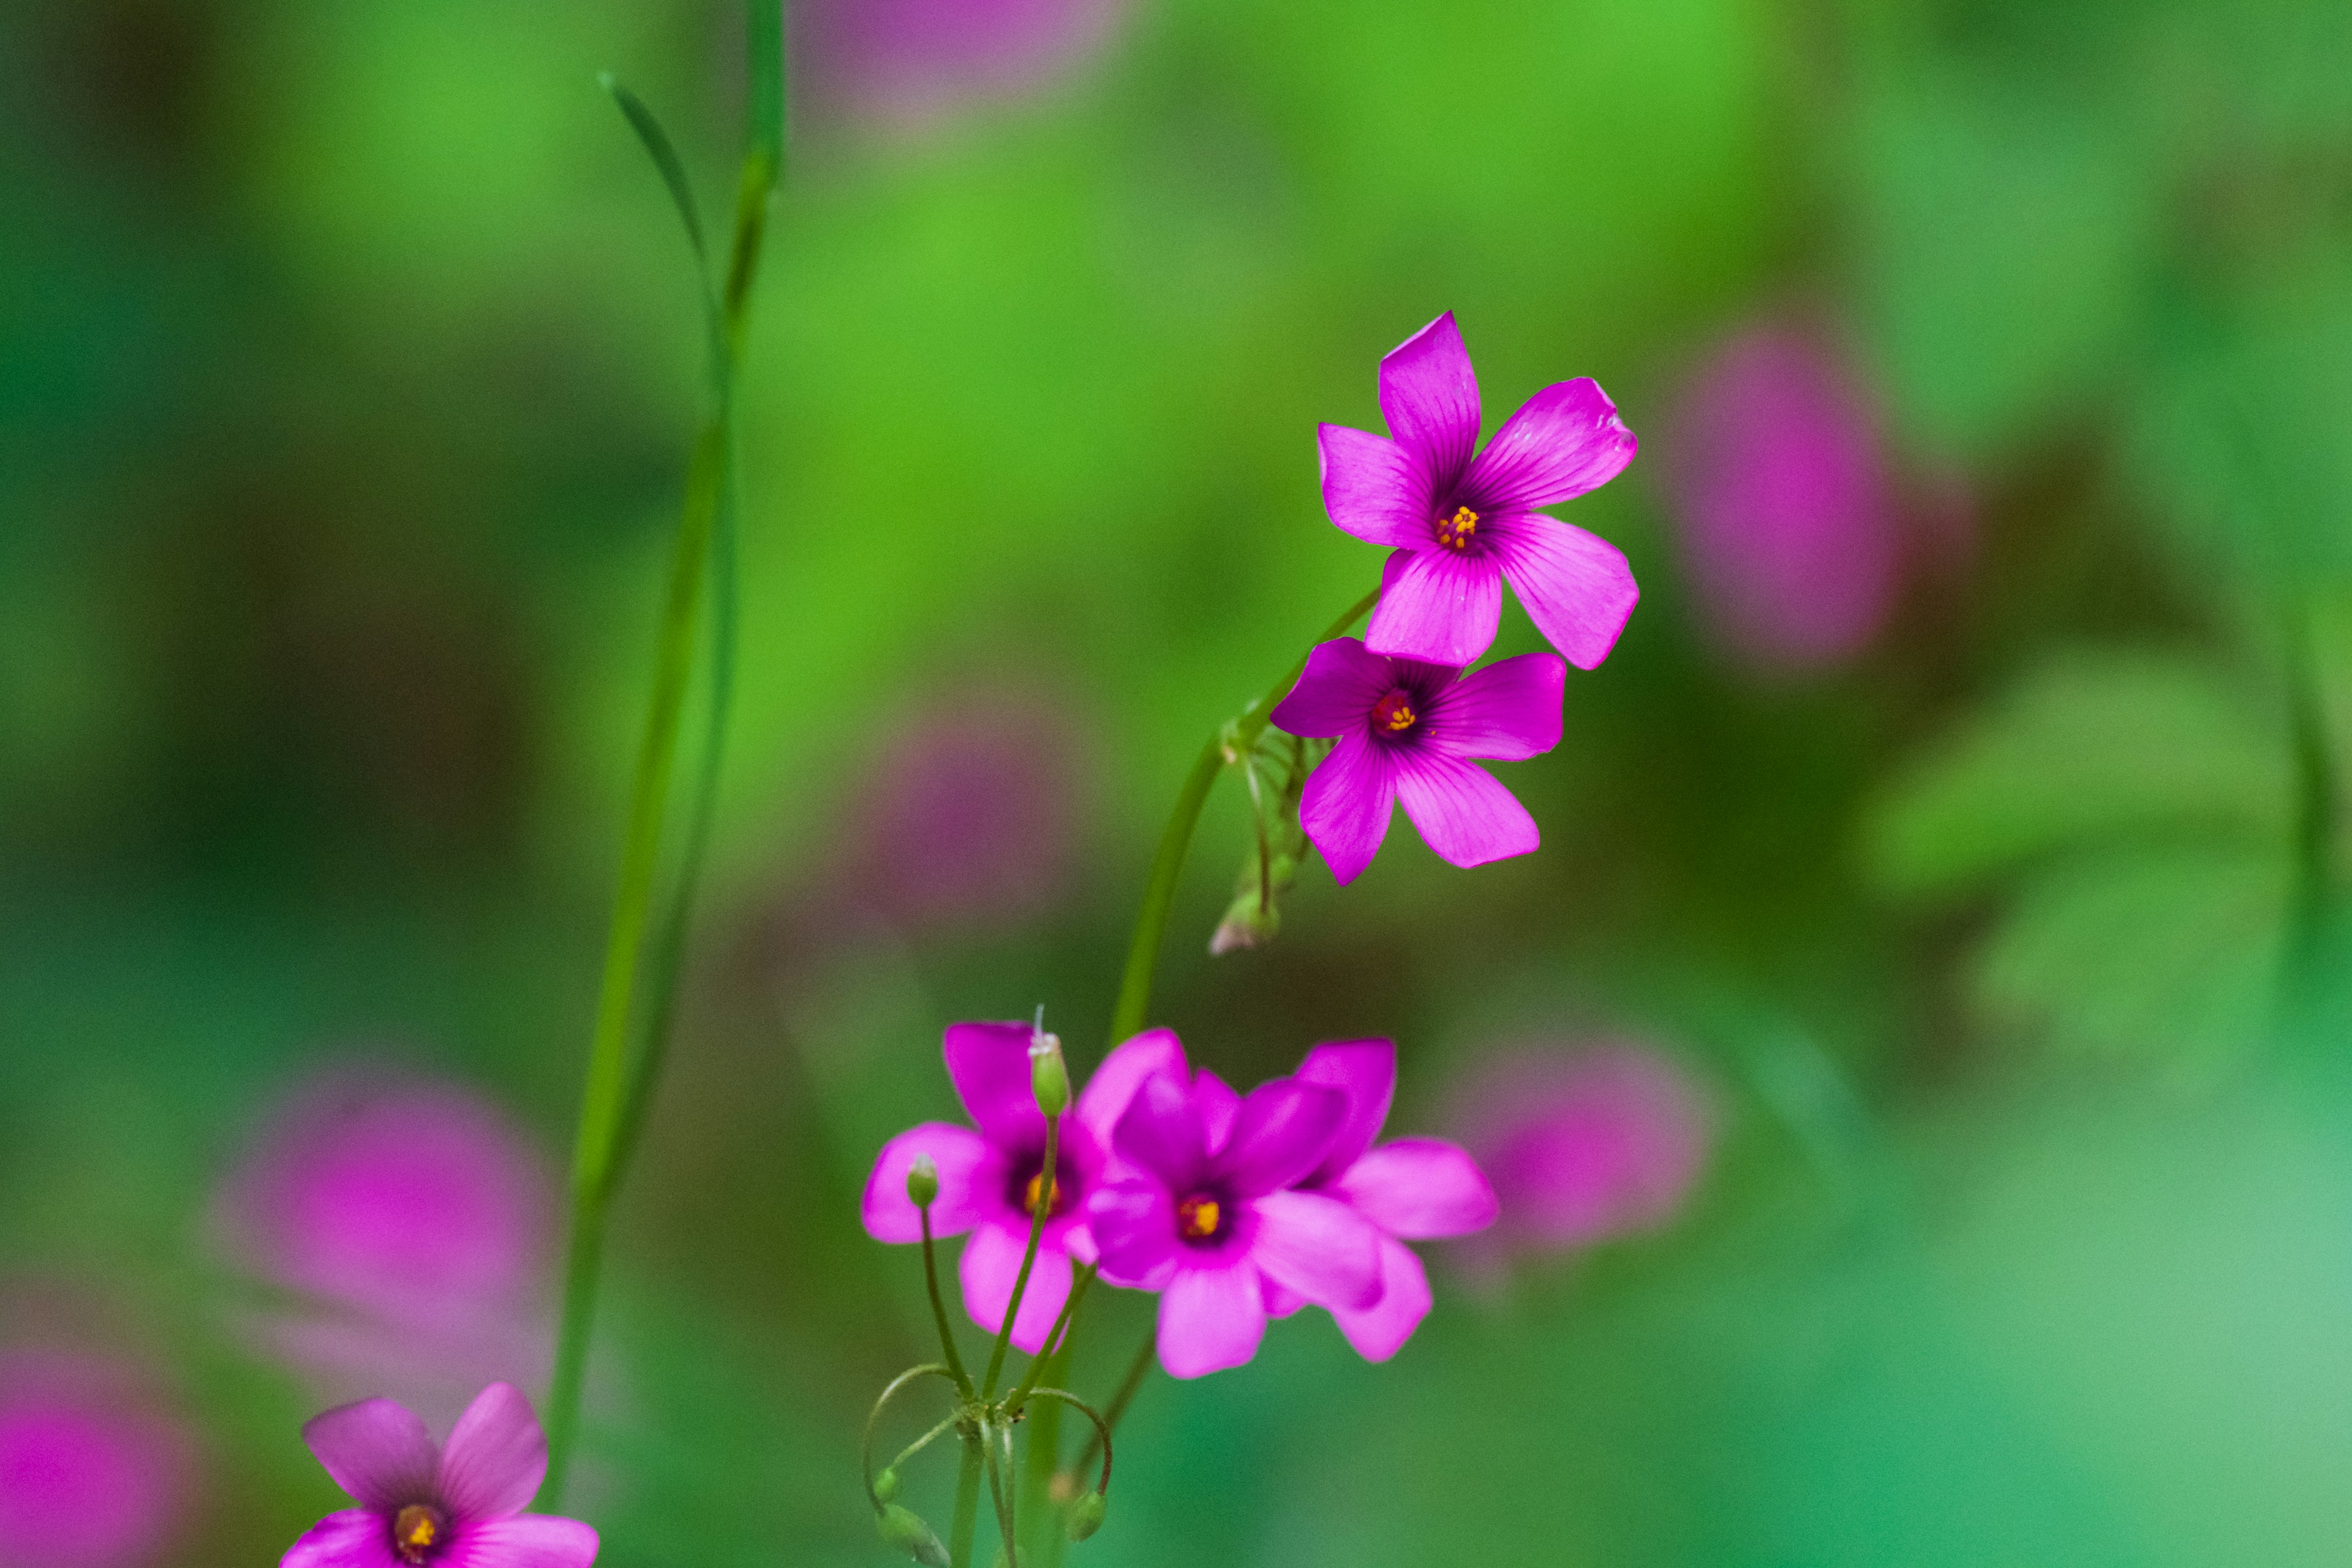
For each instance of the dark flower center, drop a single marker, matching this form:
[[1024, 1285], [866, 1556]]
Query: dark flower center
[[1456, 532], [1200, 1218], [1029, 1177], [417, 1532], [1393, 714]]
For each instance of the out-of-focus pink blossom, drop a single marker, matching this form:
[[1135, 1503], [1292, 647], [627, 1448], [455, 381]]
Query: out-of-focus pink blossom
[[914, 61], [91, 1476], [1582, 1145]]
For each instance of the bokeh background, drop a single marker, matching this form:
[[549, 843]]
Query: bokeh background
[[1913, 1063]]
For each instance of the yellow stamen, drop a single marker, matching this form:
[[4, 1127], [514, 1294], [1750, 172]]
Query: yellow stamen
[[1401, 716], [1456, 532], [415, 1530], [1029, 1195], [1197, 1218]]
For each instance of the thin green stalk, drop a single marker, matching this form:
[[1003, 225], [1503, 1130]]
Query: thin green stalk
[[1028, 1258], [873, 1420], [1048, 1351], [1228, 746], [966, 1519], [1000, 1497], [940, 1310]]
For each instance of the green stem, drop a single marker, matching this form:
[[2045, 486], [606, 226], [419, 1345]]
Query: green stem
[[1047, 1352], [873, 1420], [1228, 746], [998, 1495], [940, 1310], [1136, 1370], [966, 1519], [1028, 1258]]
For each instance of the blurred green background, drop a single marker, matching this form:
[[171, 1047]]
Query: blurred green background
[[348, 366]]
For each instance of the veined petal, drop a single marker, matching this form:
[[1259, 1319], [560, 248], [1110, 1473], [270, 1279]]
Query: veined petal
[[1133, 1221], [1280, 1133], [958, 1152], [1380, 1330], [1210, 1319], [1373, 487], [1437, 605], [1319, 1247], [992, 1262], [1335, 693], [1565, 440], [376, 1450], [1429, 395], [1106, 1096], [1506, 711], [989, 1064], [528, 1541], [355, 1538], [1418, 1188], [1462, 812], [1364, 1071], [1347, 805], [496, 1456], [1161, 1131], [1576, 586]]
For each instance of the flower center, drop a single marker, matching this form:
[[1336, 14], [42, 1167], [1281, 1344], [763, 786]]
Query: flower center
[[1456, 532], [1029, 1194], [1198, 1217], [1393, 714], [417, 1529]]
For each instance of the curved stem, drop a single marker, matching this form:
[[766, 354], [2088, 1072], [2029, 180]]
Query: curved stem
[[940, 1310], [967, 1506], [926, 1440], [1102, 1431], [1037, 1213], [1136, 1370], [873, 1420], [1052, 1347]]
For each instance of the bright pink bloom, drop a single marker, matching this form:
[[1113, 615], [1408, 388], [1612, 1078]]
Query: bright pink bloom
[[989, 1179], [90, 1475], [460, 1506], [1461, 525], [1407, 733], [1204, 1210], [913, 60], [1786, 514], [1412, 1189]]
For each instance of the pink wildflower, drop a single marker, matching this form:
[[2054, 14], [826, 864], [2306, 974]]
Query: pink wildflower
[[90, 1475]]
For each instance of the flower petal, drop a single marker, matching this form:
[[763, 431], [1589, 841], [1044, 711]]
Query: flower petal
[[1281, 1300], [1420, 1187], [1565, 440], [1429, 394], [1576, 586], [958, 1152], [1335, 693], [1462, 812], [495, 1458], [1133, 1221], [1364, 1071], [529, 1541], [1380, 1330], [992, 1262], [989, 1065], [376, 1450], [355, 1538], [1108, 1093], [1280, 1133], [1373, 487], [1319, 1247], [1210, 1319], [1346, 806], [1506, 711], [1218, 1104], [1437, 605], [1161, 1131]]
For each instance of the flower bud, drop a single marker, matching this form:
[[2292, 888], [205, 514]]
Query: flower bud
[[922, 1182], [1085, 1516], [1049, 1080], [904, 1528], [885, 1485]]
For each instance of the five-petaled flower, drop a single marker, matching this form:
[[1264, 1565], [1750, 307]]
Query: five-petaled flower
[[1203, 1210], [1407, 731], [1461, 521], [458, 1506], [990, 1179]]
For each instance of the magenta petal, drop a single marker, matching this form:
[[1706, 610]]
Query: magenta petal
[[1364, 1071], [958, 1152], [1107, 1094], [1506, 711], [1346, 806], [1319, 1247], [1380, 1330], [1436, 606], [1161, 1131], [376, 1450], [1133, 1222], [496, 1456], [1420, 1187], [1218, 1103], [1565, 440], [1373, 487], [355, 1538], [1429, 394], [1335, 693], [1281, 1300], [531, 1540], [1462, 812], [992, 1262], [989, 1065], [1576, 586], [1282, 1132], [1210, 1319]]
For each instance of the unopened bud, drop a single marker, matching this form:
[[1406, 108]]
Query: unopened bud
[[885, 1485], [904, 1528], [922, 1182], [1085, 1516], [1049, 1080]]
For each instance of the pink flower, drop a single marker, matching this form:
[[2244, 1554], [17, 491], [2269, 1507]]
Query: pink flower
[[1781, 489], [90, 1476], [459, 1505], [1412, 1189], [1204, 1210], [989, 1179], [1583, 1146], [1406, 732], [913, 60], [1461, 525]]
